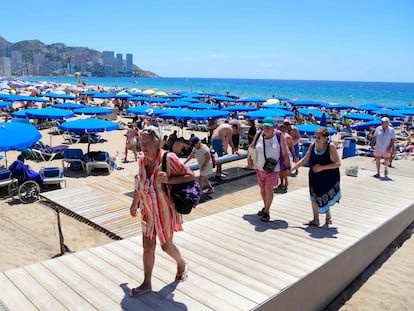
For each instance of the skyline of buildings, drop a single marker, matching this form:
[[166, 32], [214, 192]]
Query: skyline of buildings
[[108, 65]]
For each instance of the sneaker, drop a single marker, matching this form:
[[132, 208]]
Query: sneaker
[[208, 190]]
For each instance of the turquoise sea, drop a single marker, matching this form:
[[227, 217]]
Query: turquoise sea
[[354, 93]]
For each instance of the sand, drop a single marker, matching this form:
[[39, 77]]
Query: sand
[[29, 234]]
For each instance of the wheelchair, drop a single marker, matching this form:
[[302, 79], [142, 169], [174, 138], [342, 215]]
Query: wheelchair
[[22, 182]]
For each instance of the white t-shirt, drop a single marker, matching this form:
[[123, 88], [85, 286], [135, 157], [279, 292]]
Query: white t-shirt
[[201, 159], [383, 138], [272, 151]]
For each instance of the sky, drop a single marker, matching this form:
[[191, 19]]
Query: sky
[[343, 40]]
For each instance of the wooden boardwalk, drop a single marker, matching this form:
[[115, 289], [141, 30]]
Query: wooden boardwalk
[[236, 261]]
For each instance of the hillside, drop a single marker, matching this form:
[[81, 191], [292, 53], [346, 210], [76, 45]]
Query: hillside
[[57, 52]]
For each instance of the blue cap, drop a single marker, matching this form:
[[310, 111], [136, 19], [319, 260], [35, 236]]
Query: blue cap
[[194, 140]]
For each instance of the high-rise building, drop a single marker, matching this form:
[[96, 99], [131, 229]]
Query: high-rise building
[[5, 67], [128, 64], [119, 65], [108, 62]]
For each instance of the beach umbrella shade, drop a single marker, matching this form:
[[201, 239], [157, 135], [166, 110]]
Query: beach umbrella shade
[[274, 106], [339, 106], [145, 110], [272, 101], [263, 113], [22, 114], [223, 99], [149, 92], [93, 111], [370, 107], [239, 108], [373, 123], [307, 103], [69, 106], [315, 112], [190, 100], [49, 113], [310, 129], [251, 100], [60, 96], [407, 112], [399, 107], [390, 113], [206, 114], [5, 104], [177, 104], [104, 95], [16, 136], [180, 114], [359, 116], [88, 126], [202, 106]]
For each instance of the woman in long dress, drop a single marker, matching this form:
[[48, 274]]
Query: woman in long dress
[[324, 176]]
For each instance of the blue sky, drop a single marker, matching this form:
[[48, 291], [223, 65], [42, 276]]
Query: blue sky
[[349, 40]]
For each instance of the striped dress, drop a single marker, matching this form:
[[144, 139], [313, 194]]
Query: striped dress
[[158, 215]]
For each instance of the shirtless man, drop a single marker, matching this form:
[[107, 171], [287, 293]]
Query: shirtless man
[[220, 140], [294, 133]]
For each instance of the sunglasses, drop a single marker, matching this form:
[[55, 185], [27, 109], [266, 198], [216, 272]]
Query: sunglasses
[[150, 132], [318, 137]]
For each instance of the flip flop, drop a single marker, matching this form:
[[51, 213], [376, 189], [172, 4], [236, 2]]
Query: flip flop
[[136, 292], [311, 223], [181, 277]]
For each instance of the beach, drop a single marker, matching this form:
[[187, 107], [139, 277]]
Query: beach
[[30, 233]]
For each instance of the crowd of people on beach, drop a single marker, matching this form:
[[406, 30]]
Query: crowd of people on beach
[[273, 152]]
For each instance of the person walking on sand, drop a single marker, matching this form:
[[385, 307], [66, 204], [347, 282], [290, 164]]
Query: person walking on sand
[[324, 176], [132, 137], [383, 140], [220, 140], [203, 156], [158, 215], [269, 144]]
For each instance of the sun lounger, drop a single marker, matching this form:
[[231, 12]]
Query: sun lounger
[[98, 160], [74, 157], [53, 175]]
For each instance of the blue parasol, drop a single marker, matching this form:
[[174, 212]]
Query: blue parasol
[[88, 126], [93, 111], [307, 103], [49, 113], [5, 104], [310, 129], [239, 108], [61, 96], [263, 113], [16, 136], [177, 104], [315, 112], [145, 110], [68, 105], [373, 123], [358, 116]]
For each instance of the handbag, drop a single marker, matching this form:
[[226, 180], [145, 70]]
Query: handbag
[[185, 196], [270, 163]]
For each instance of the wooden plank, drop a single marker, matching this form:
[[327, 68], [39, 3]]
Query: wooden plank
[[60, 290], [77, 280], [34, 291], [12, 296]]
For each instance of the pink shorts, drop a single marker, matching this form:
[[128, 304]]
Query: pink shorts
[[268, 180], [384, 155]]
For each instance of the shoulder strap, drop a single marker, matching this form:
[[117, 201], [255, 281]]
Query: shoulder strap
[[164, 162]]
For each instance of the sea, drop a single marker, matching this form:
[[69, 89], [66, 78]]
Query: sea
[[353, 93]]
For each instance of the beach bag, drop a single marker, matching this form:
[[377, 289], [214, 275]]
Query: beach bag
[[185, 196], [352, 171]]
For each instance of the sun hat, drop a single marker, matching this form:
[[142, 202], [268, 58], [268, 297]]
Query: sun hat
[[286, 122], [268, 121], [385, 119], [194, 140]]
